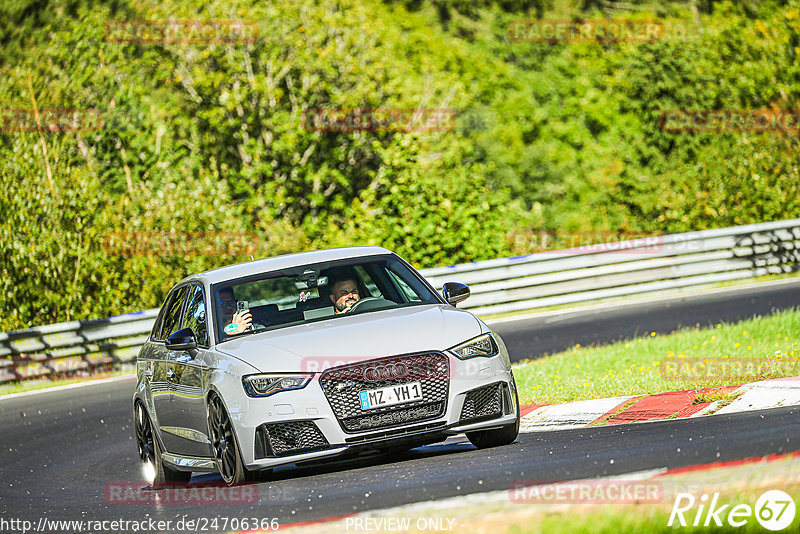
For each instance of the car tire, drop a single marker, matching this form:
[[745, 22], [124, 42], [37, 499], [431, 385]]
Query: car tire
[[483, 439], [153, 468], [226, 447]]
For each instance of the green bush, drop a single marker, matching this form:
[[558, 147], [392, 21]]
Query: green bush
[[203, 157]]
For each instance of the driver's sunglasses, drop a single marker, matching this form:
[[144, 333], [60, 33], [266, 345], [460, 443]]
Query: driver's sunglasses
[[227, 303]]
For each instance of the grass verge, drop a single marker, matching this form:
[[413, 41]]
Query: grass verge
[[728, 354], [651, 518], [30, 385]]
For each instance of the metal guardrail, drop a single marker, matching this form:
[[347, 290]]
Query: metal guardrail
[[67, 348], [651, 265], [640, 266]]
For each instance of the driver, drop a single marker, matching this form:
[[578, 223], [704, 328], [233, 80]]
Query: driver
[[344, 294]]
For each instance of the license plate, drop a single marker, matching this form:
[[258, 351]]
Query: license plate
[[399, 394]]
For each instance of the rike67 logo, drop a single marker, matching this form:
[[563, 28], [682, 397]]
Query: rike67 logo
[[774, 510]]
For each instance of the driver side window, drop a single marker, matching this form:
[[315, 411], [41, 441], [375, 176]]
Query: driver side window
[[195, 315], [173, 313]]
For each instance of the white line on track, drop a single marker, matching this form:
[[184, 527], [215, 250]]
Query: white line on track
[[69, 386]]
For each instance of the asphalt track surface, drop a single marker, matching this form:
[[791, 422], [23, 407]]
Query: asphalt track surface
[[60, 449], [536, 336]]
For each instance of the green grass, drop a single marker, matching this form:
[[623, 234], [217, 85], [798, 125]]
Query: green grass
[[616, 518], [723, 396], [728, 354], [30, 385]]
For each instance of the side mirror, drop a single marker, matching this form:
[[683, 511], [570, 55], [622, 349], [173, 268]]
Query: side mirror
[[182, 340], [454, 292]]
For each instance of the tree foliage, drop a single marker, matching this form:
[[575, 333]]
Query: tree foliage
[[205, 156]]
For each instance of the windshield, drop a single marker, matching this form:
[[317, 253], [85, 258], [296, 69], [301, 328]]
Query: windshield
[[315, 292]]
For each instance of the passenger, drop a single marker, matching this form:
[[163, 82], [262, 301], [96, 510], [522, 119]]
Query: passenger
[[242, 319]]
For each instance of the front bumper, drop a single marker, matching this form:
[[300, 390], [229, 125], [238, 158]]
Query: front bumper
[[305, 425]]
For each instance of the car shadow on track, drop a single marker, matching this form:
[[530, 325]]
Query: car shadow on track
[[453, 445]]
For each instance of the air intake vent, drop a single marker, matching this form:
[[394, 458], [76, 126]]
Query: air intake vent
[[483, 403], [291, 437]]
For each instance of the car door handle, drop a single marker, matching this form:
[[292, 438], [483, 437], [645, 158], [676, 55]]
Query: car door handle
[[170, 374]]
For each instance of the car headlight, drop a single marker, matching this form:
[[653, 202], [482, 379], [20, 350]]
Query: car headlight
[[266, 385], [483, 345]]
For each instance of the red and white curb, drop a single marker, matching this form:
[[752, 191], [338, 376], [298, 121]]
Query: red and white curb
[[569, 415], [673, 404], [767, 394]]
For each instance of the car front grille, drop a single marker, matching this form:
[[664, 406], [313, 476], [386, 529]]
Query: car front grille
[[290, 437], [342, 386], [483, 403]]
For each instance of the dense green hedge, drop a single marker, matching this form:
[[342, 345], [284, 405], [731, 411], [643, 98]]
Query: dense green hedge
[[209, 141]]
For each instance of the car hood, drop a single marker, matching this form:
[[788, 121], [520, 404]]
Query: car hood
[[318, 346]]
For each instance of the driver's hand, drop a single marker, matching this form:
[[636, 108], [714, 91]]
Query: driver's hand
[[242, 319], [346, 304]]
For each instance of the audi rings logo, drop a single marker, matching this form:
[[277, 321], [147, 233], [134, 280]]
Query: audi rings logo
[[390, 371], [346, 372]]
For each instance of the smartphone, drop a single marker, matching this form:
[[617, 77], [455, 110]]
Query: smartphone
[[242, 305]]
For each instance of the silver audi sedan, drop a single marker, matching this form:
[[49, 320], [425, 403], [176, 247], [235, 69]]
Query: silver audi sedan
[[308, 356]]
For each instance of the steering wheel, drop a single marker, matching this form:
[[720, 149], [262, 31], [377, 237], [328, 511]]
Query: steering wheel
[[359, 302], [370, 303]]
